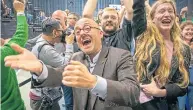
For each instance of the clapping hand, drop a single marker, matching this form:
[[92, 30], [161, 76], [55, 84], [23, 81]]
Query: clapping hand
[[77, 75]]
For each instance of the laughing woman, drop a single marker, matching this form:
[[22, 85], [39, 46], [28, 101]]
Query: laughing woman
[[162, 59]]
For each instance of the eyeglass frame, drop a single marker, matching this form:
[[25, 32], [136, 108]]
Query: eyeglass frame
[[85, 29]]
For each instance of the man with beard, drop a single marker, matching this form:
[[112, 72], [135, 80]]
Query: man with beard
[[113, 36]]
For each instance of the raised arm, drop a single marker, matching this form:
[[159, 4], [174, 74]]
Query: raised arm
[[127, 25], [147, 7], [129, 10], [121, 13], [21, 35], [89, 8], [182, 13], [139, 17]]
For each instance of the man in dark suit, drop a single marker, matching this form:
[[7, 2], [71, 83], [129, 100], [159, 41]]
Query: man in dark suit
[[103, 78]]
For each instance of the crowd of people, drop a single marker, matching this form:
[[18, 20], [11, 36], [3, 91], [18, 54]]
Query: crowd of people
[[137, 58]]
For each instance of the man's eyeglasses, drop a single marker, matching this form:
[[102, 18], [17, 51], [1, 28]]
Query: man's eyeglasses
[[86, 29]]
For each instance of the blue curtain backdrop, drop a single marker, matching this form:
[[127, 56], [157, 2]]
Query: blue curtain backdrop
[[77, 6]]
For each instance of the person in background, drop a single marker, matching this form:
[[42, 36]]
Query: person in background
[[71, 20], [4, 41], [99, 15], [110, 22], [5, 11], [60, 48], [41, 16], [187, 35], [67, 11], [183, 14], [61, 17], [44, 50], [10, 94], [147, 7]]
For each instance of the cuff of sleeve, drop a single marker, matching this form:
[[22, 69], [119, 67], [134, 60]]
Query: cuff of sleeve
[[168, 91], [100, 88], [20, 14], [69, 48], [43, 75]]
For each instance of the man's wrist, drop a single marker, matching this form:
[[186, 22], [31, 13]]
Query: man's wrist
[[161, 93], [94, 81], [40, 69], [20, 13], [69, 42]]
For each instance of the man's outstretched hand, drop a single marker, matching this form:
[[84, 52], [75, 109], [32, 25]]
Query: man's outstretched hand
[[24, 60]]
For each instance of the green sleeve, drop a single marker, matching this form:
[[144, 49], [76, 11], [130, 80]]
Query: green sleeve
[[183, 20], [20, 37]]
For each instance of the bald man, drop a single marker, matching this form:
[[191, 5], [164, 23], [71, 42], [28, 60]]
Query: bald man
[[60, 48], [101, 79], [61, 16]]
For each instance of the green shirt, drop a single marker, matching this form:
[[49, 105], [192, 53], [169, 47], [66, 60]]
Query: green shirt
[[10, 93], [184, 19]]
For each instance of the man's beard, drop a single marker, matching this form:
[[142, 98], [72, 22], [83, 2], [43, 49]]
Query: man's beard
[[109, 23], [109, 31]]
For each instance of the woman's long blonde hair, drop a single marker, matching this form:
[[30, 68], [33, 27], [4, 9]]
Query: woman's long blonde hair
[[147, 43]]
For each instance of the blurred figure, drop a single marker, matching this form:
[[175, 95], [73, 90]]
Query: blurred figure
[[186, 102], [99, 16], [183, 14], [60, 48], [67, 11], [71, 20], [44, 51], [187, 31], [5, 11], [2, 41], [41, 16]]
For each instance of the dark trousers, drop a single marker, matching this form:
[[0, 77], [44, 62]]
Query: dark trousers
[[36, 105], [68, 97]]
